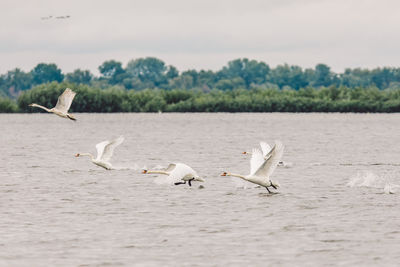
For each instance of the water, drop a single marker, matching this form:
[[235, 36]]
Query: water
[[58, 210]]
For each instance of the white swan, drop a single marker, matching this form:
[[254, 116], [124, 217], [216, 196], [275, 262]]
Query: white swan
[[261, 167], [63, 104], [265, 148], [104, 153], [178, 173]]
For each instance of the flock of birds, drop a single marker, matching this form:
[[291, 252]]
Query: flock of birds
[[262, 163]]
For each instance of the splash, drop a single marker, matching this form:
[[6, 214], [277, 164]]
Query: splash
[[370, 179]]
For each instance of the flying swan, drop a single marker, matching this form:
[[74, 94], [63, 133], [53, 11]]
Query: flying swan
[[178, 173], [261, 167], [63, 104], [104, 152], [265, 148]]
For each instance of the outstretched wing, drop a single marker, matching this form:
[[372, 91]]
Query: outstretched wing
[[179, 172], [256, 160], [271, 161], [65, 100], [265, 148], [170, 167], [105, 149]]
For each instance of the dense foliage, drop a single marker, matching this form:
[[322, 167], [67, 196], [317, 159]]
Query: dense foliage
[[153, 73], [243, 85], [117, 99]]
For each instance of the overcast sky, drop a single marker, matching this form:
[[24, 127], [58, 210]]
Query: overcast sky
[[200, 34]]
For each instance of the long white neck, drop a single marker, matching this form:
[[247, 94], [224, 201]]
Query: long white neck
[[237, 175], [158, 172], [39, 106], [87, 154]]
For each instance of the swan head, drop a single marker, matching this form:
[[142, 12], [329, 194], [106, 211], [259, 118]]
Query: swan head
[[144, 171], [77, 155], [31, 105], [224, 174]]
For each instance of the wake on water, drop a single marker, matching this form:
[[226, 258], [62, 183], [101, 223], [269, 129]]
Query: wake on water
[[370, 179]]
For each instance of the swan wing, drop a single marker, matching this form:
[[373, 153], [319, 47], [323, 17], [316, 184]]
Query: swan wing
[[256, 160], [271, 161], [65, 100], [170, 167], [100, 149], [105, 149], [265, 148], [180, 171]]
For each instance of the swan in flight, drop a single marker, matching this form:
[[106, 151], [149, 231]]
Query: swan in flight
[[261, 167], [178, 173], [104, 152], [265, 148], [63, 104]]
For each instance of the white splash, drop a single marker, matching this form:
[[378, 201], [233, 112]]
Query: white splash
[[370, 179]]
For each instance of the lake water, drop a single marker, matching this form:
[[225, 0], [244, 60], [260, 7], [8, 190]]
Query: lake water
[[58, 210]]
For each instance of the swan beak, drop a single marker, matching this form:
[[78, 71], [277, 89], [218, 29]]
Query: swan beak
[[223, 174], [77, 155], [31, 105], [244, 153], [144, 171]]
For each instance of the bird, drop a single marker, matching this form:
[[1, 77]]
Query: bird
[[178, 173], [261, 167], [265, 148], [105, 151], [63, 104]]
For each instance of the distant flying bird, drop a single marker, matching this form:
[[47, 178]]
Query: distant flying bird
[[265, 148], [44, 18], [179, 173], [63, 17], [261, 167], [104, 152], [63, 104]]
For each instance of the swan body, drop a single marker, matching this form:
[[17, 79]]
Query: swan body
[[105, 151], [179, 173], [265, 148], [262, 167], [63, 104]]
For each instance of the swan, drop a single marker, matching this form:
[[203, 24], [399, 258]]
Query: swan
[[105, 151], [261, 167], [265, 148], [63, 104], [177, 172]]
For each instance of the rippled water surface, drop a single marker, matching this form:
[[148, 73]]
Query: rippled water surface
[[58, 210]]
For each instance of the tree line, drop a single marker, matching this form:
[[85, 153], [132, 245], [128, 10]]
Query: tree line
[[117, 99], [153, 73]]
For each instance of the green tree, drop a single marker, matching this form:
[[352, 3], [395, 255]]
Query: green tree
[[112, 71], [44, 73], [251, 71], [323, 76], [150, 70], [79, 76]]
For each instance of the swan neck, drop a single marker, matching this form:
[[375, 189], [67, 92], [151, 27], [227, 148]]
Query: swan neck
[[87, 154], [237, 175], [42, 107], [157, 172]]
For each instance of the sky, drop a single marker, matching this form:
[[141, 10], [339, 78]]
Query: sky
[[200, 34]]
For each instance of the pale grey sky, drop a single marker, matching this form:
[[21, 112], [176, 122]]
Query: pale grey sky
[[200, 34]]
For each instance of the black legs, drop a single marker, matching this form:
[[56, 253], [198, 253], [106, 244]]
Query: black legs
[[184, 182]]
